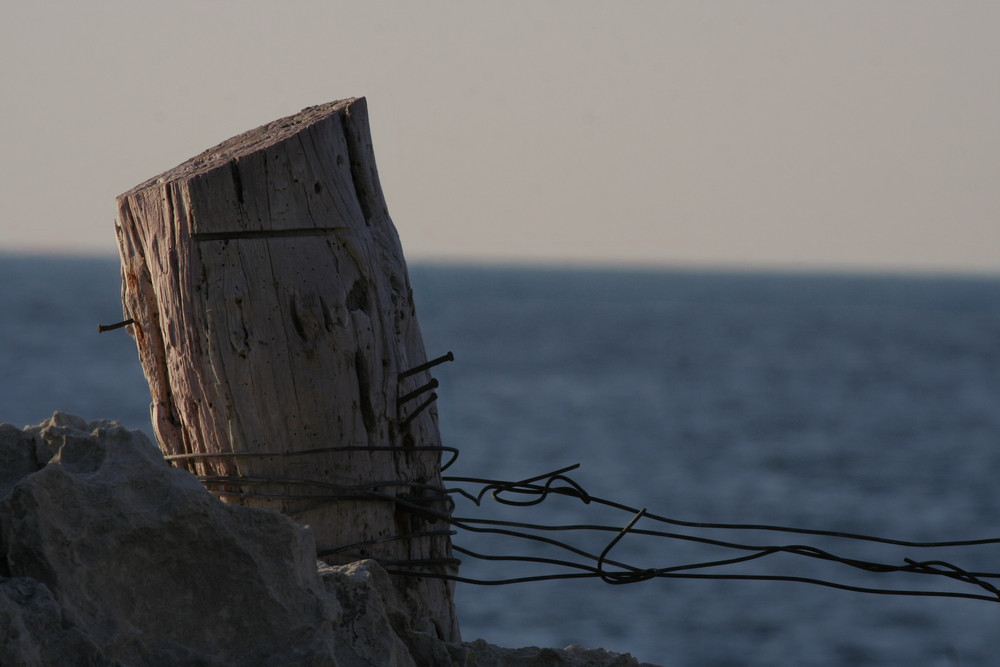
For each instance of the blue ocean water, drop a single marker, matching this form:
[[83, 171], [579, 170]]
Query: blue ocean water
[[866, 404]]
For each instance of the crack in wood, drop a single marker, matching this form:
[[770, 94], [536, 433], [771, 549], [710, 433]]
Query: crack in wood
[[237, 181], [265, 233]]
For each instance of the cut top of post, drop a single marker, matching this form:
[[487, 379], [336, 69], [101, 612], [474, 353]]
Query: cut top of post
[[272, 171], [249, 142]]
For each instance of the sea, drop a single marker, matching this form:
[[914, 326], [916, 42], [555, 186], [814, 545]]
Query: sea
[[733, 403]]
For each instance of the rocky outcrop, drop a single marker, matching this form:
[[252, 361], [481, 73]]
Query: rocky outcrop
[[109, 556], [145, 564]]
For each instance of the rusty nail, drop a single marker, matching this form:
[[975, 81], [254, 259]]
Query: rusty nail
[[101, 328], [416, 392], [420, 408], [423, 367]]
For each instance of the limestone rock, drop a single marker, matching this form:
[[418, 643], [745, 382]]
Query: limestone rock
[[372, 624], [109, 556], [148, 565], [33, 630], [372, 610]]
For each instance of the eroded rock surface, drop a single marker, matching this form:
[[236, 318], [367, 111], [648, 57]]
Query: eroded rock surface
[[109, 556], [150, 567]]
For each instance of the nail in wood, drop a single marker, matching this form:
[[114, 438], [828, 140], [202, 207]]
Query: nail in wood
[[101, 328], [420, 408], [433, 384], [423, 367]]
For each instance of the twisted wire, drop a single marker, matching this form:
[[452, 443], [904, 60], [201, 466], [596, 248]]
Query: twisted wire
[[535, 490], [541, 487], [437, 504]]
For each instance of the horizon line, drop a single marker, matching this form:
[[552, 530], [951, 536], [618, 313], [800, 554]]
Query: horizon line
[[611, 264]]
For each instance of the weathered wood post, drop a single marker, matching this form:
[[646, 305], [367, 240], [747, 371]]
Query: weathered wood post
[[276, 327]]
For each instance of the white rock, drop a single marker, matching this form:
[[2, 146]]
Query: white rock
[[109, 556], [148, 565]]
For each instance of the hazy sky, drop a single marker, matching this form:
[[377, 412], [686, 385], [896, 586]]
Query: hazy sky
[[792, 133]]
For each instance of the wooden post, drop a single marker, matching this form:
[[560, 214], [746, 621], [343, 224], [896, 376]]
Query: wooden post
[[275, 324]]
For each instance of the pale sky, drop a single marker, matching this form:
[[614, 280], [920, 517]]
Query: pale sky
[[794, 134]]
